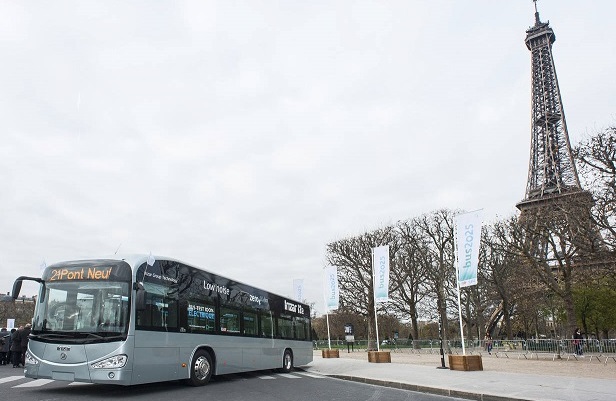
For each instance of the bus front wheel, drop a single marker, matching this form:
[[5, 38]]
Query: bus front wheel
[[201, 368], [287, 361]]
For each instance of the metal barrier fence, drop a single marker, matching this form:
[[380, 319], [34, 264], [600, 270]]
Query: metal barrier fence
[[600, 350]]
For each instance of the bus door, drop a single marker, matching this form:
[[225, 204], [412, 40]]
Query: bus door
[[156, 356]]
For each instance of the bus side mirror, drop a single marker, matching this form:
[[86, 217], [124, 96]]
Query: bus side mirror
[[16, 288], [42, 296], [139, 296], [18, 282]]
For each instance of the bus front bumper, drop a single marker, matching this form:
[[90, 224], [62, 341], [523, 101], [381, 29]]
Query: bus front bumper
[[78, 373]]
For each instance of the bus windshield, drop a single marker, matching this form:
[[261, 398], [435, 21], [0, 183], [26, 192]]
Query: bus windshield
[[82, 310]]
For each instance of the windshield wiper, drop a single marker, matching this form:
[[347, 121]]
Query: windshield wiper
[[116, 337], [51, 335], [96, 338]]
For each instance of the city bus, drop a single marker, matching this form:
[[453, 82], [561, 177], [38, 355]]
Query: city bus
[[142, 319]]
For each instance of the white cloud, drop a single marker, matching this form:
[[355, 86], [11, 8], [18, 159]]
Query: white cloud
[[245, 136]]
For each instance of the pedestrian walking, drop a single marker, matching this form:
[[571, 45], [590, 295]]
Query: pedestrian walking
[[25, 334], [16, 347], [488, 341], [4, 345], [9, 357], [577, 341]]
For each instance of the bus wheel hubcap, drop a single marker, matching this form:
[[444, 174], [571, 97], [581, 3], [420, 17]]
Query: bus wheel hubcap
[[202, 368]]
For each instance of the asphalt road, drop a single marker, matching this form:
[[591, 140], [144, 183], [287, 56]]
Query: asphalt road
[[257, 386]]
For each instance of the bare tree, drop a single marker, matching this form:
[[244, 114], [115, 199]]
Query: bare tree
[[503, 272], [431, 236], [408, 276], [337, 321], [549, 241], [353, 257], [596, 158]]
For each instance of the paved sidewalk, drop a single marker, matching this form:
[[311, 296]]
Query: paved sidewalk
[[497, 382]]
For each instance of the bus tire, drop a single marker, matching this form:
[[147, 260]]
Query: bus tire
[[201, 368], [287, 361]]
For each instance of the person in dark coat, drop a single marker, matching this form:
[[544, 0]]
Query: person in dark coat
[[577, 341], [488, 341], [16, 347], [9, 357], [4, 346], [25, 333]]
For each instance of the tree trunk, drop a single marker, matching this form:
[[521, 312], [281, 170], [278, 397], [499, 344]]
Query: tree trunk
[[414, 327], [507, 319], [441, 304], [372, 345], [570, 309]]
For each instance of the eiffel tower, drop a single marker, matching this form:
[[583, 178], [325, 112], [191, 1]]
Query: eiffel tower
[[553, 181], [555, 204]]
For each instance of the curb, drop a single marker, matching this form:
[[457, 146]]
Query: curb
[[429, 390]]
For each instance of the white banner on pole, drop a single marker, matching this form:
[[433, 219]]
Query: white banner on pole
[[10, 324], [298, 289], [380, 271], [331, 288], [468, 236]]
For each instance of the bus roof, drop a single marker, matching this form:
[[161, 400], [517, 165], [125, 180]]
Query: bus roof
[[137, 260]]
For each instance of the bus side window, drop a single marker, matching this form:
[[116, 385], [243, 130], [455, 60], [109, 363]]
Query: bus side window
[[250, 323], [172, 315], [198, 316], [285, 327], [155, 316], [301, 328], [161, 308], [144, 316], [151, 316], [266, 325], [229, 320]]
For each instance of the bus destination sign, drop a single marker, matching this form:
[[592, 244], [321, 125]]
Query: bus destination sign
[[80, 273]]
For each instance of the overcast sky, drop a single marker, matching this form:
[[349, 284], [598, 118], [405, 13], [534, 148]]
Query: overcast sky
[[243, 136]]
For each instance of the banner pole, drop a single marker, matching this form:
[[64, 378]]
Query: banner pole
[[329, 341], [376, 321], [331, 296], [455, 252], [460, 315], [377, 328]]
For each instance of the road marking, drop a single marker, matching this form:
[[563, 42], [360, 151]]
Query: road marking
[[288, 376], [11, 378], [311, 375], [35, 383], [42, 382]]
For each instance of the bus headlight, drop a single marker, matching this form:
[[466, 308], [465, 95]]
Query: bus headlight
[[30, 360], [114, 362]]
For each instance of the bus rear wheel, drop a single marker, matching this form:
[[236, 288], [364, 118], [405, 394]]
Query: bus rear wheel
[[287, 361], [200, 368]]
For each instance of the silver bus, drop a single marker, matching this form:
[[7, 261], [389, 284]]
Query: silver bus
[[143, 319]]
